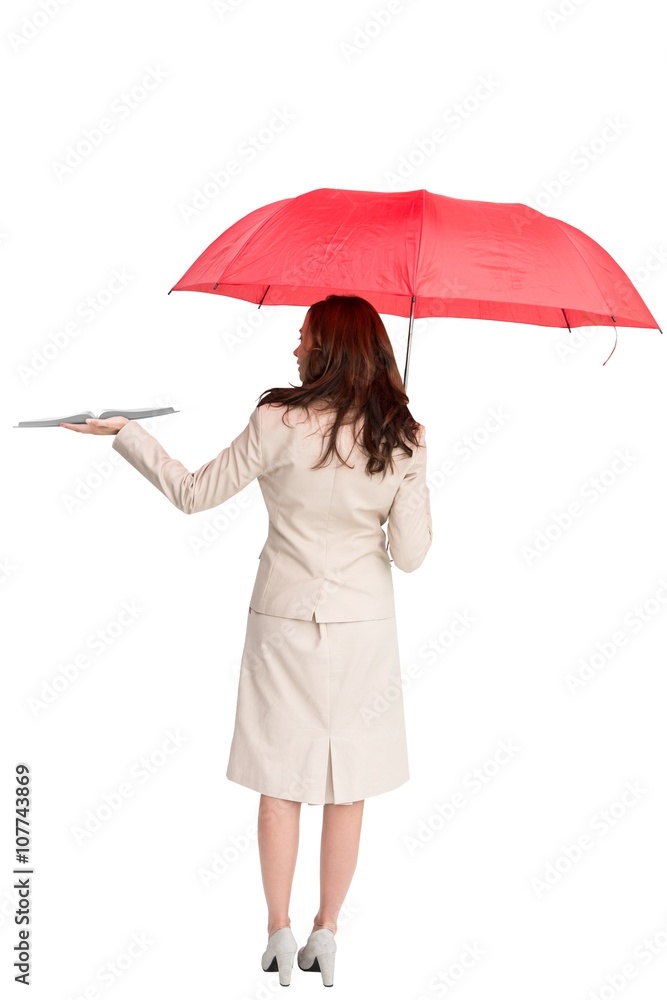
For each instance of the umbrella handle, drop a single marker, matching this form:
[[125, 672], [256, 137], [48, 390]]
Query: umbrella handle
[[615, 342]]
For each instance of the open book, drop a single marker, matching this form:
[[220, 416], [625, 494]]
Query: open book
[[80, 418]]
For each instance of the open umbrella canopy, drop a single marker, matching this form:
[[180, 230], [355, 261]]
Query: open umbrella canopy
[[419, 254]]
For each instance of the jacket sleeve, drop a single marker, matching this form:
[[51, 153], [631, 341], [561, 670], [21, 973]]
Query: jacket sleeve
[[210, 485], [409, 525]]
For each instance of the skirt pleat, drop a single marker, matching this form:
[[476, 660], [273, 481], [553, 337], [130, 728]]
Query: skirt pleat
[[319, 713]]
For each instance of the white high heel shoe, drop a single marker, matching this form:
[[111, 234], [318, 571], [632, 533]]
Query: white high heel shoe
[[279, 954], [319, 954]]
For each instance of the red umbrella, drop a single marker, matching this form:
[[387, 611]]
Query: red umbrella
[[414, 253]]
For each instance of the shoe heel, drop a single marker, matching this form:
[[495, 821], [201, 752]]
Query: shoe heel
[[279, 955], [326, 963], [285, 962], [318, 954]]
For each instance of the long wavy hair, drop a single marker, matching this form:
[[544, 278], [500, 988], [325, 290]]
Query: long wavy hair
[[351, 367]]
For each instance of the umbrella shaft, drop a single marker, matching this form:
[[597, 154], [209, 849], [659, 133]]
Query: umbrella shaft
[[407, 353]]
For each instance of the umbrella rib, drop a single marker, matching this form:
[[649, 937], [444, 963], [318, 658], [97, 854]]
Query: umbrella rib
[[585, 263], [413, 290], [270, 218]]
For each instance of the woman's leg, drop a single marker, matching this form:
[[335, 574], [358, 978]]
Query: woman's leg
[[341, 828], [278, 841]]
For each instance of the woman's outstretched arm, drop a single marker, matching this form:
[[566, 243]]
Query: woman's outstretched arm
[[213, 483]]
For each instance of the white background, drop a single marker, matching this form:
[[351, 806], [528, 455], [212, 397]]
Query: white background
[[361, 98]]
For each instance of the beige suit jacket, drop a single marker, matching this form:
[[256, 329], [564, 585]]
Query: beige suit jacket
[[326, 550]]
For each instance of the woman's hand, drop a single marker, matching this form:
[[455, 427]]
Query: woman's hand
[[95, 426]]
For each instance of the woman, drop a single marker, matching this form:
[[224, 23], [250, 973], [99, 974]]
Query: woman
[[319, 714]]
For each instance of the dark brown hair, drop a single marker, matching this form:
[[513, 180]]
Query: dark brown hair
[[351, 366]]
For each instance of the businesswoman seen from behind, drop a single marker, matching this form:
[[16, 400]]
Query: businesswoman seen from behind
[[336, 458]]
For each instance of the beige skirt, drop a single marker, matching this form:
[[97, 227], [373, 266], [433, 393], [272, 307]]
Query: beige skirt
[[319, 713]]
